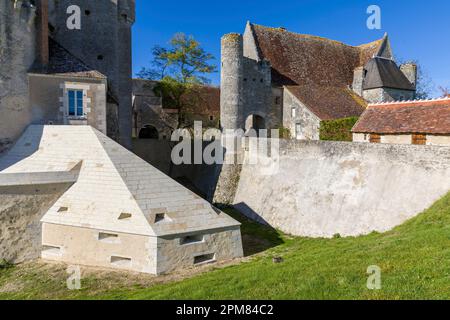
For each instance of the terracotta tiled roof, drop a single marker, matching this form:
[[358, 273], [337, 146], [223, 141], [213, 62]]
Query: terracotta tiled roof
[[427, 117], [62, 62], [299, 59], [329, 103]]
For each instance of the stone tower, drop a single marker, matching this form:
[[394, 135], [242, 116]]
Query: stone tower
[[103, 43], [232, 72], [17, 53]]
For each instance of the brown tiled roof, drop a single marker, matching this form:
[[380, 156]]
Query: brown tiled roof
[[299, 59], [62, 62], [427, 117], [329, 103]]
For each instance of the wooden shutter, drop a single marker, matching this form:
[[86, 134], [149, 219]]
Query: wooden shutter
[[419, 139], [375, 138]]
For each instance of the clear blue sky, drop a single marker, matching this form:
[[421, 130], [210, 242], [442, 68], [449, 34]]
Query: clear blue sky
[[418, 29]]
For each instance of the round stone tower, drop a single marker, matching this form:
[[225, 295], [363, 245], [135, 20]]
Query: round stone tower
[[231, 99]]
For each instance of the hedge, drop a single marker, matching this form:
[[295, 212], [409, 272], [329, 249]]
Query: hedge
[[337, 130]]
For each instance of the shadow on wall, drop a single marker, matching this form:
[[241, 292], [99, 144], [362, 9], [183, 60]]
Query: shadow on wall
[[28, 146], [201, 179], [21, 211]]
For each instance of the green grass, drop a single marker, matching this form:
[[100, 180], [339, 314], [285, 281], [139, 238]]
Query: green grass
[[414, 259]]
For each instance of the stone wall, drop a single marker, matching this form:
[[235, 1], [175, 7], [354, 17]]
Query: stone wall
[[200, 178], [309, 123], [432, 140], [17, 54], [327, 188], [49, 100], [93, 247], [387, 95], [222, 245], [103, 43], [21, 209]]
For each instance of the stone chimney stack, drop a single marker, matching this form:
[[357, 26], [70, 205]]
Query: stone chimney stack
[[358, 80], [410, 71], [42, 27]]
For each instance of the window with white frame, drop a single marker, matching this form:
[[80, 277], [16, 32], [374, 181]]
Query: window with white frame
[[298, 131], [76, 103], [294, 112]]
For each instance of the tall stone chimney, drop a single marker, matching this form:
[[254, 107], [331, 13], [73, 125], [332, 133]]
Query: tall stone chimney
[[42, 28], [358, 80], [410, 71]]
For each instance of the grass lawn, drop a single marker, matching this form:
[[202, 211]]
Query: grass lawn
[[414, 259]]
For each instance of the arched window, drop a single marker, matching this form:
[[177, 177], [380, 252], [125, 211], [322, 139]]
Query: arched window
[[148, 132]]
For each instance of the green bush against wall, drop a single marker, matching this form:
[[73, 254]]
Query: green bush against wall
[[337, 130]]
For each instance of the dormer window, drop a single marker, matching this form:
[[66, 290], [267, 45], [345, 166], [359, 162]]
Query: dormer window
[[76, 105]]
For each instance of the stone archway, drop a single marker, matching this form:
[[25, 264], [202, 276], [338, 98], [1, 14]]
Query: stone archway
[[149, 132], [255, 122]]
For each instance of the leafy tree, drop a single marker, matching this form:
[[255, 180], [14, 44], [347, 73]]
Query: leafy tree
[[179, 69]]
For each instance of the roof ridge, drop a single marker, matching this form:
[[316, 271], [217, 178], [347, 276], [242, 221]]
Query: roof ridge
[[409, 101], [315, 36]]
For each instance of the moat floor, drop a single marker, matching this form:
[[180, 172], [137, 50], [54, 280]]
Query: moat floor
[[413, 259]]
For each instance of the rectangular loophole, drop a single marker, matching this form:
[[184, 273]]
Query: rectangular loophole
[[108, 237], [205, 258], [120, 261], [63, 209], [51, 250], [192, 239]]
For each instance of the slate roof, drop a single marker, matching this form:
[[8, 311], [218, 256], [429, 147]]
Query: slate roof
[[299, 59], [425, 117], [62, 62], [384, 73], [329, 103], [111, 181]]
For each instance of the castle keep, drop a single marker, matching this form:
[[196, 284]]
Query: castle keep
[[274, 78]]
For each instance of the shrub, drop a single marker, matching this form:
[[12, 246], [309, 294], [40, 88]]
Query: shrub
[[337, 130]]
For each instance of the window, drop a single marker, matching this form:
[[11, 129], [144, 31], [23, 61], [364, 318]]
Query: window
[[211, 118], [375, 138], [294, 112], [419, 139], [298, 131], [277, 100], [76, 103]]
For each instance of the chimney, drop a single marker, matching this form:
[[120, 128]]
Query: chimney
[[358, 80], [410, 71], [42, 37]]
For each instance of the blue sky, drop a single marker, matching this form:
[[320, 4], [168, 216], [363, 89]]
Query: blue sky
[[418, 29]]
